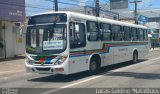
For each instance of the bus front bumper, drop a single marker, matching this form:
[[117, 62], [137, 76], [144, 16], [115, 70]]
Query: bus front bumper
[[59, 69]]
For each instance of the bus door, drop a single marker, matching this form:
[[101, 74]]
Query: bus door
[[77, 37]]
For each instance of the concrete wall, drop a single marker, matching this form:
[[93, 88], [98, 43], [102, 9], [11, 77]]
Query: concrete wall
[[9, 38], [14, 39], [19, 40]]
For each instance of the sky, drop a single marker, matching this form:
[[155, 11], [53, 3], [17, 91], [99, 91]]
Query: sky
[[38, 6], [146, 4], [45, 5]]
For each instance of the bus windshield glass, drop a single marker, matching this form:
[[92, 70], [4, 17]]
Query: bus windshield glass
[[46, 39]]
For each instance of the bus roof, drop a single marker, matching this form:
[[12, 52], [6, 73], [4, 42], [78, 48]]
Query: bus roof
[[93, 18]]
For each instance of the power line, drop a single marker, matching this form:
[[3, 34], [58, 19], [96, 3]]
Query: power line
[[65, 3], [55, 4], [31, 6], [104, 7], [36, 5], [77, 1]]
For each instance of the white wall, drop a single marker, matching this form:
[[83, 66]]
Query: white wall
[[12, 36], [19, 40], [9, 38]]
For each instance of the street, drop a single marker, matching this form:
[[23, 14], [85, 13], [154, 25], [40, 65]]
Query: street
[[145, 74]]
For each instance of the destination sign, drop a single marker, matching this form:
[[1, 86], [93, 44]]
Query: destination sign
[[48, 18]]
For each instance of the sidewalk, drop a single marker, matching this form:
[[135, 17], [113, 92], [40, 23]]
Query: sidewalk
[[12, 58], [12, 65]]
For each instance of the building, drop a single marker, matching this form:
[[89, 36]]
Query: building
[[104, 11], [11, 11]]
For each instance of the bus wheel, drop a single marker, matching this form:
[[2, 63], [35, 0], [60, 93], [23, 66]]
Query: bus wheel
[[135, 57], [93, 66]]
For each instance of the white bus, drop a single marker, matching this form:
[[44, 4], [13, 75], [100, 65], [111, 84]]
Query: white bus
[[68, 42]]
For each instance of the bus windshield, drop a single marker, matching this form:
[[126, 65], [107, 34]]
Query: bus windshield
[[46, 39]]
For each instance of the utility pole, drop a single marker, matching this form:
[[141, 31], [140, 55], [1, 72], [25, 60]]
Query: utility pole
[[4, 36], [97, 8], [55, 5], [135, 11]]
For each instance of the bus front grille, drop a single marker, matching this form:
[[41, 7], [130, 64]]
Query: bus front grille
[[43, 69]]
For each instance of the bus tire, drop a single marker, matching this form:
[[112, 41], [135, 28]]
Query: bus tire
[[135, 57], [93, 66]]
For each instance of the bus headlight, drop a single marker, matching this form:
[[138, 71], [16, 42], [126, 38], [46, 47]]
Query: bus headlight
[[29, 61], [60, 60]]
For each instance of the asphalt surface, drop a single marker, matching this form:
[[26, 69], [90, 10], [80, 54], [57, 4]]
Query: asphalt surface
[[144, 74]]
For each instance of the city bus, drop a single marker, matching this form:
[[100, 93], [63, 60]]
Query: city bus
[[68, 42]]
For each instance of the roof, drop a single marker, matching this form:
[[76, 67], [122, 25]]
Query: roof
[[93, 18]]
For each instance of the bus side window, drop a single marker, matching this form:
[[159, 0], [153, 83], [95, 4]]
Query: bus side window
[[77, 35], [117, 33], [145, 35], [105, 32], [93, 31], [141, 35], [127, 33], [134, 34], [137, 34], [121, 34]]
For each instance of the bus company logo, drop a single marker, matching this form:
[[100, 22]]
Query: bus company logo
[[42, 63]]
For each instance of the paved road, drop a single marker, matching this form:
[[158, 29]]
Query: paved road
[[145, 74]]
